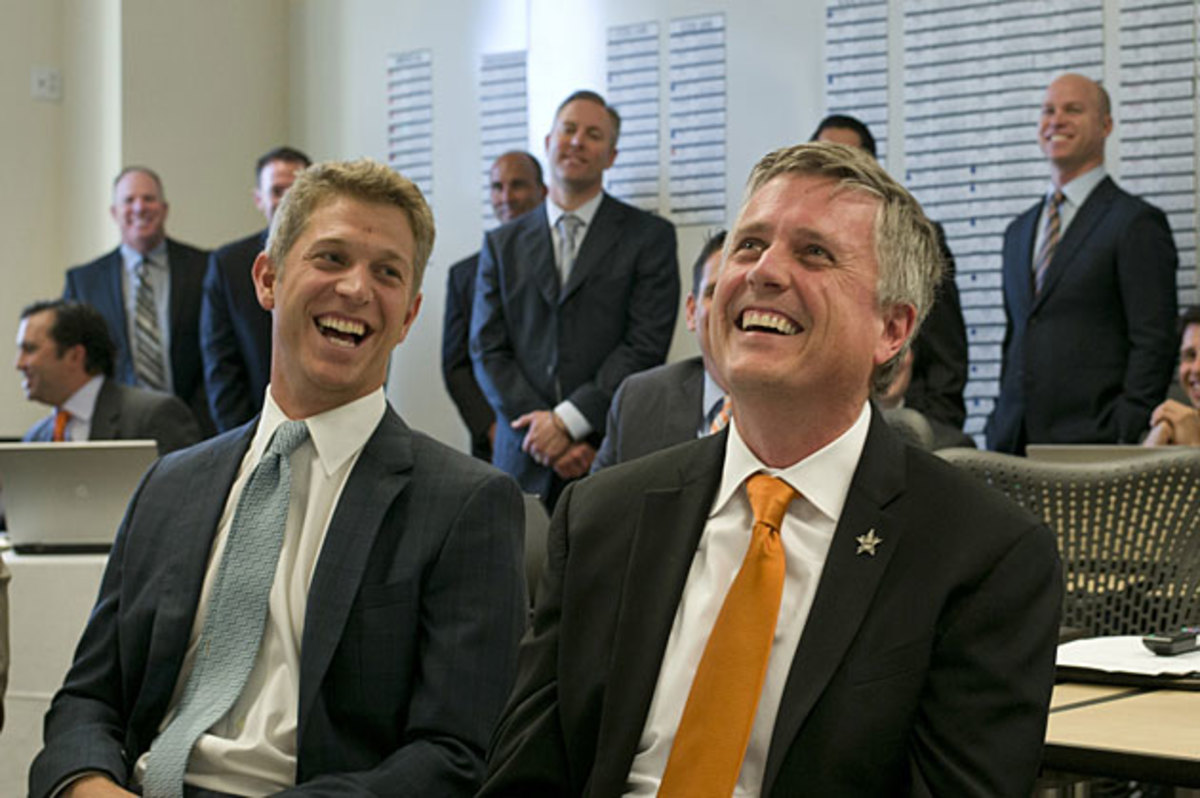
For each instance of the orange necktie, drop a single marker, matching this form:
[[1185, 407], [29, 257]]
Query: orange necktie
[[60, 425], [710, 743]]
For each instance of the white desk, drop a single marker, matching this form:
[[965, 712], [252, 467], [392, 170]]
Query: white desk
[[49, 599]]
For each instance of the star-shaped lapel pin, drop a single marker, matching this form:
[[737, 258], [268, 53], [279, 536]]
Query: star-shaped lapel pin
[[868, 542]]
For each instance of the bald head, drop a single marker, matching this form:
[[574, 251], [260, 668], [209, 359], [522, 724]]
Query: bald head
[[1075, 121], [516, 185]]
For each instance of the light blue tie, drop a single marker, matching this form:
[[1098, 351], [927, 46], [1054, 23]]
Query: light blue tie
[[237, 612]]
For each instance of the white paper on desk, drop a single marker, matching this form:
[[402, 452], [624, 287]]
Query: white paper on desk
[[1125, 655]]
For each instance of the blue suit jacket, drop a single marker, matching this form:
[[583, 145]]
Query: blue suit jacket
[[534, 343], [99, 284], [1088, 358], [415, 608], [123, 412], [456, 356], [235, 334], [951, 625]]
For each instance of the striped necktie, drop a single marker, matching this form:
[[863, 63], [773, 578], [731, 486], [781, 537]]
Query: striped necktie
[[1050, 238], [147, 339]]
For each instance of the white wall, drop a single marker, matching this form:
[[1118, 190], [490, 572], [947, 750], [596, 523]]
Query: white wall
[[338, 51]]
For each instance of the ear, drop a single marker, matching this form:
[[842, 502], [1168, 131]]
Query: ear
[[264, 280], [898, 324], [612, 156], [410, 317], [546, 146], [689, 307], [76, 356], [166, 210]]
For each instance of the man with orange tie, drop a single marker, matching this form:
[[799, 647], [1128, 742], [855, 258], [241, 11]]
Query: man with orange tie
[[66, 360], [1089, 292], [800, 604]]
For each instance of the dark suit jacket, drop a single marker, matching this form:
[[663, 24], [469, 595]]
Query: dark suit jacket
[[1091, 356], [124, 412], [939, 371], [456, 356], [950, 627], [652, 410], [535, 344], [99, 284], [409, 645], [235, 334]]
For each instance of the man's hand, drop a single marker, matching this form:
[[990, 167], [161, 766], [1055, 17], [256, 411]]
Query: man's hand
[[1175, 423], [575, 461], [95, 785], [547, 438]]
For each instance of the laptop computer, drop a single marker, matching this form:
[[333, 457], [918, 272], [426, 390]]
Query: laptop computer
[[1084, 453], [69, 498]]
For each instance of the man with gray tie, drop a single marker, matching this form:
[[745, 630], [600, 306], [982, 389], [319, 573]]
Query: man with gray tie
[[1089, 293], [325, 602], [148, 289], [571, 298], [677, 402]]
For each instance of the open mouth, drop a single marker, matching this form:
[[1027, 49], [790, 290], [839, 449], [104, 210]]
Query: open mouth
[[344, 332], [767, 321]]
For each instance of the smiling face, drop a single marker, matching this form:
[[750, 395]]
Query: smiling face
[[515, 187], [1073, 127], [795, 314], [139, 210], [699, 307], [1189, 363], [580, 147], [345, 298], [47, 375], [275, 178]]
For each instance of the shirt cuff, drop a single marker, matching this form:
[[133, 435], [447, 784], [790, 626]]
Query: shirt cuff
[[575, 422]]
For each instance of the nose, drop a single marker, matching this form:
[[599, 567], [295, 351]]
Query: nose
[[769, 270], [352, 283]]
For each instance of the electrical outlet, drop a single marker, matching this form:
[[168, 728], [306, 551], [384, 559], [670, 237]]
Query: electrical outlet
[[45, 84]]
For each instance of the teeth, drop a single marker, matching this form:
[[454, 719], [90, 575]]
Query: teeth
[[344, 326], [770, 321]]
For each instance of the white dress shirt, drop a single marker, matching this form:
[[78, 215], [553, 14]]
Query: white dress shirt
[[82, 407], [823, 480], [1075, 194], [252, 750]]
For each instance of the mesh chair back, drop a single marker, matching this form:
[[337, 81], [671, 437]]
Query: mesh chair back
[[1128, 533]]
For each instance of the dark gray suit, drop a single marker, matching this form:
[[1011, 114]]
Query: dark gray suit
[[925, 669], [124, 412], [534, 344], [652, 410], [1090, 357], [414, 611]]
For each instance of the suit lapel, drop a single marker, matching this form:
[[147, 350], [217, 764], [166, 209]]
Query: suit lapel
[[106, 416], [847, 586], [381, 473], [1073, 242], [601, 236], [533, 238], [114, 295], [672, 519]]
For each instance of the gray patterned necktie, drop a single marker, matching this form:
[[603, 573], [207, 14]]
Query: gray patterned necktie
[[237, 612], [568, 233], [147, 339]]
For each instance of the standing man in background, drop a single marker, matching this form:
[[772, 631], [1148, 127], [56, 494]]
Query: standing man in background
[[148, 290], [516, 188], [1089, 293], [571, 299], [235, 332]]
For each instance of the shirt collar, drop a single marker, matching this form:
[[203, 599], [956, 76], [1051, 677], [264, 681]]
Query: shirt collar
[[82, 403], [713, 393], [823, 478], [337, 434], [1078, 189], [585, 212], [156, 256]]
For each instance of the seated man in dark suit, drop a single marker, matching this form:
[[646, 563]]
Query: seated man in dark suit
[[1174, 423], [65, 357], [800, 604], [324, 602], [939, 363], [571, 298], [516, 189], [678, 402], [235, 332], [148, 289]]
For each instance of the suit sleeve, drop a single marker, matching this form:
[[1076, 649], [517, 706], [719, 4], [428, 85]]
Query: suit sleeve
[[609, 452], [1146, 265], [473, 609], [650, 323], [981, 720], [528, 754], [495, 360], [85, 728], [939, 372], [456, 355], [226, 379]]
